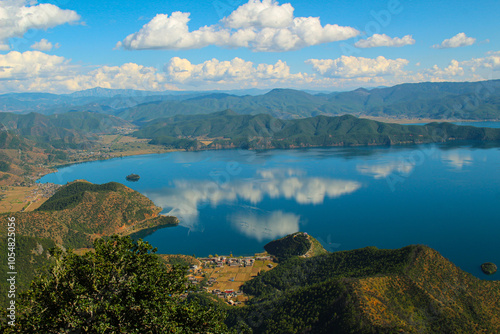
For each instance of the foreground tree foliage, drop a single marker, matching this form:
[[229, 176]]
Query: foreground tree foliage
[[122, 287]]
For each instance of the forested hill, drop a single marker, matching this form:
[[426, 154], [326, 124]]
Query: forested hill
[[80, 212], [229, 130], [76, 215], [296, 244], [38, 125], [408, 290]]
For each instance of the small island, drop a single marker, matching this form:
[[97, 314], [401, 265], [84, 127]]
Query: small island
[[489, 268], [133, 177]]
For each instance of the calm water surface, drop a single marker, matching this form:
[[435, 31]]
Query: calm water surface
[[446, 197]]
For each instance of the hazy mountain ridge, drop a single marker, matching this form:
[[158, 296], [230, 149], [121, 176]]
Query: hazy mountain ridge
[[463, 100], [440, 100]]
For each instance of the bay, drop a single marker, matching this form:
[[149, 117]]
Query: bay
[[235, 201]]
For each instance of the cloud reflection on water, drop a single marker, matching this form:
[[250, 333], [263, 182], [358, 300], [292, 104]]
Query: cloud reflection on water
[[186, 196], [266, 226], [382, 170], [456, 159]]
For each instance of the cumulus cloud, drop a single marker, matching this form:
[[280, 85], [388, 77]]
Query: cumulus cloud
[[32, 70], [126, 76], [355, 67], [490, 62], [258, 25], [184, 199], [38, 71], [236, 70], [456, 41], [378, 40], [267, 226], [451, 71], [44, 45], [18, 16]]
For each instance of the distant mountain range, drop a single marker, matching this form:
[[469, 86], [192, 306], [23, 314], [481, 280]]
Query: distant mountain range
[[443, 100]]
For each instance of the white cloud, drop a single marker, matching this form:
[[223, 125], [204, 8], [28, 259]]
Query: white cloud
[[456, 41], [236, 70], [18, 16], [378, 40], [259, 25], [265, 14], [451, 71], [266, 226], [44, 45], [38, 71], [126, 76], [490, 62], [31, 70], [354, 67]]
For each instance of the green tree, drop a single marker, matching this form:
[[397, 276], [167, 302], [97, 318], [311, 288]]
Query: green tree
[[4, 166], [122, 287]]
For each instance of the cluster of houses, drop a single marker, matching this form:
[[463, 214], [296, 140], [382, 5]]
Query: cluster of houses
[[89, 155], [221, 261], [46, 189], [227, 295], [197, 274]]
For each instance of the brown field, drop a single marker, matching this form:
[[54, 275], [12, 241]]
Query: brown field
[[122, 145], [239, 274], [116, 139], [19, 198]]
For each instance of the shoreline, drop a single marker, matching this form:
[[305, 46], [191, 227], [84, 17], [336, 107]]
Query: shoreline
[[161, 150]]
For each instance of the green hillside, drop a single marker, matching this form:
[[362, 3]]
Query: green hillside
[[32, 254], [61, 131], [21, 157], [296, 244], [411, 290], [228, 130], [80, 212]]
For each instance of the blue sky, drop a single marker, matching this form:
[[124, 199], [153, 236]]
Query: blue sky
[[63, 46]]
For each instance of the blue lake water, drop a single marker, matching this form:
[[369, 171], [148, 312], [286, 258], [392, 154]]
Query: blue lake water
[[443, 196]]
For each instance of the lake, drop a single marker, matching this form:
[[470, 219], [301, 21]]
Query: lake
[[235, 201]]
